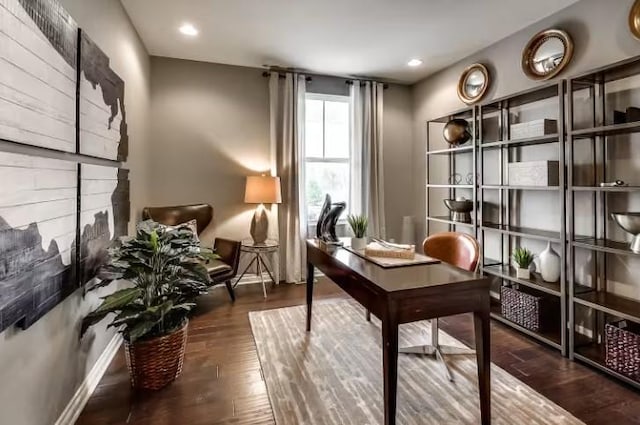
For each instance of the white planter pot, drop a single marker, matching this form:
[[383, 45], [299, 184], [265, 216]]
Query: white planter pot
[[523, 273], [359, 244], [549, 264]]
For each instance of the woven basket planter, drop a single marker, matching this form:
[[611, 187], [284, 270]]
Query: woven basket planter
[[529, 308], [622, 343], [155, 363]]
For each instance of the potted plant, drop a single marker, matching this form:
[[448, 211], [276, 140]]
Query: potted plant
[[523, 258], [165, 268], [358, 225]]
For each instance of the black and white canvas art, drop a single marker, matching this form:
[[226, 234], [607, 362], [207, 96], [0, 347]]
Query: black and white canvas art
[[103, 124], [38, 227], [38, 74], [104, 214], [57, 217]]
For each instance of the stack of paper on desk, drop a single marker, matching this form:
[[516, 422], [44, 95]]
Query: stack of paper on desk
[[387, 250]]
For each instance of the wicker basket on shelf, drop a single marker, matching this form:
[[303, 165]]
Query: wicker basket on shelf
[[622, 346], [528, 308], [155, 363]]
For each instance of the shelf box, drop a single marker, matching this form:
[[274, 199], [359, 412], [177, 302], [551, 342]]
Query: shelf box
[[530, 309], [534, 173], [622, 348], [536, 128]]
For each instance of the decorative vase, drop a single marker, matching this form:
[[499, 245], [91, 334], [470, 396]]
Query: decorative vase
[[155, 363], [523, 273], [549, 264], [359, 244]]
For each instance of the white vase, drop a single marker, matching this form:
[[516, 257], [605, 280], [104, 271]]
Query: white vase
[[359, 244], [523, 273], [549, 264]]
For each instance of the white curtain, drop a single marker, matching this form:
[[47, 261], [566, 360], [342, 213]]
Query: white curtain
[[367, 175], [287, 100]]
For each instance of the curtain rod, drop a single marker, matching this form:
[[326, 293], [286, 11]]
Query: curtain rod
[[349, 80], [282, 74]]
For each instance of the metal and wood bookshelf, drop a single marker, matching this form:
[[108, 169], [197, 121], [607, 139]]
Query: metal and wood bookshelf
[[496, 149], [505, 226], [446, 186], [590, 127], [596, 131]]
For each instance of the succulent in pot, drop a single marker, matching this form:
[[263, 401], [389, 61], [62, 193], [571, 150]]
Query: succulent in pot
[[523, 258], [164, 265], [359, 224]]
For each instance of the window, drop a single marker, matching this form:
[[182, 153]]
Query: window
[[327, 150]]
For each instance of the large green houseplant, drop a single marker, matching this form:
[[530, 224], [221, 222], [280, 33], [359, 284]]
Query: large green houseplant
[[165, 268]]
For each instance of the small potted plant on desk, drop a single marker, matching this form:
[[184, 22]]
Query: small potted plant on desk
[[523, 259], [358, 225], [165, 267]]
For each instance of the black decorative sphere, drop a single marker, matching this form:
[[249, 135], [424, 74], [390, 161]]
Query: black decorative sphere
[[456, 132]]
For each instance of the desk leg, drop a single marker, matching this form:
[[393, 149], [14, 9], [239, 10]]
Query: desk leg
[[483, 353], [390, 368], [310, 273]]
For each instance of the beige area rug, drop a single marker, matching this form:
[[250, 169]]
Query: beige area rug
[[334, 375]]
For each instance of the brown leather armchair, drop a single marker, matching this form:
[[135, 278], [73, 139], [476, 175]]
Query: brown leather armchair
[[221, 270]]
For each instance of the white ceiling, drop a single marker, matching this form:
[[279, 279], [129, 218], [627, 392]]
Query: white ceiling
[[373, 38]]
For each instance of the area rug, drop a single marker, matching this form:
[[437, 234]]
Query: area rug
[[334, 374]]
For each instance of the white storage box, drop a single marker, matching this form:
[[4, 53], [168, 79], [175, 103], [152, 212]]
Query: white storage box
[[534, 173], [536, 128]]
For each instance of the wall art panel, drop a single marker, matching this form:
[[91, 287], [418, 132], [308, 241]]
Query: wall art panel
[[103, 124], [104, 214], [38, 227], [38, 69]]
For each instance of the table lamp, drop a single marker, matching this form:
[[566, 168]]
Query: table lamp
[[261, 190]]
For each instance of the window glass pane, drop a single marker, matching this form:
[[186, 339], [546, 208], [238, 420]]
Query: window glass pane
[[323, 178], [313, 128], [337, 129]]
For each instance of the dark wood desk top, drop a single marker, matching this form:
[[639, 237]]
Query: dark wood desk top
[[399, 279]]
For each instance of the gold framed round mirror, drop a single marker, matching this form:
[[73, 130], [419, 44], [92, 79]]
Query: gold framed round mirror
[[473, 83], [547, 54], [634, 19]]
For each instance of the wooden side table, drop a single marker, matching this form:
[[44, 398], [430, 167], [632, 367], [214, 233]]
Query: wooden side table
[[269, 248]]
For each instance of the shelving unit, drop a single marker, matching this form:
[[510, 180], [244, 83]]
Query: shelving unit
[[591, 129], [438, 150], [506, 198], [588, 292]]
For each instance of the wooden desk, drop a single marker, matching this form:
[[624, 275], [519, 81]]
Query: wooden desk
[[408, 294]]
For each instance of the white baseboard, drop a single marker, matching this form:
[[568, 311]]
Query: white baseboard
[[70, 414]]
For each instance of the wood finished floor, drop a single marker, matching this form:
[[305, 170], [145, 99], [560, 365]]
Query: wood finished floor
[[222, 381]]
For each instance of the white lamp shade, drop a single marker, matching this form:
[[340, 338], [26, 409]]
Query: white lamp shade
[[262, 190]]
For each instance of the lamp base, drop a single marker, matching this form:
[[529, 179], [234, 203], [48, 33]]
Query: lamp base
[[259, 225]]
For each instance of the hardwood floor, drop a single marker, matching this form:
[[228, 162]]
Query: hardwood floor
[[222, 381]]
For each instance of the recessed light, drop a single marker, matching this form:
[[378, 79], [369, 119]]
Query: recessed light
[[188, 29], [414, 62]]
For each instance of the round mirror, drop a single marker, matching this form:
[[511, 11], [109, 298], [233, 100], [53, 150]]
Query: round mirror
[[473, 83], [634, 19], [547, 54]]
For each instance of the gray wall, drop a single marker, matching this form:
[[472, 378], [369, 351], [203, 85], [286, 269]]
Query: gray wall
[[210, 129], [42, 366], [601, 36], [398, 166]]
